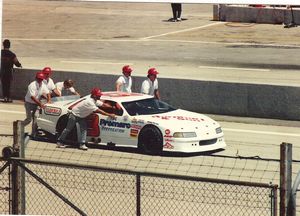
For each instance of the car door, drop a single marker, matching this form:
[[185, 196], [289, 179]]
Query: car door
[[115, 131]]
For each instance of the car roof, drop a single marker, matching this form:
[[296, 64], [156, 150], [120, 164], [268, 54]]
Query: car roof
[[123, 96]]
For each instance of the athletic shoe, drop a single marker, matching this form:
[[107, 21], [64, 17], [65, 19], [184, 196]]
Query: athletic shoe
[[60, 145], [83, 147], [178, 19]]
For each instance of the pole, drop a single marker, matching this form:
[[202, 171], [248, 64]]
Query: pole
[[285, 177]]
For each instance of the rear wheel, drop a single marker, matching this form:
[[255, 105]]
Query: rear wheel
[[71, 138], [150, 140]]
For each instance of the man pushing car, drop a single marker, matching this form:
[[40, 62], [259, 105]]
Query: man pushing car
[[79, 113]]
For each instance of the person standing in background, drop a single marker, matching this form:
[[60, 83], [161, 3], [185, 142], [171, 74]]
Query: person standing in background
[[124, 82], [176, 9], [8, 60]]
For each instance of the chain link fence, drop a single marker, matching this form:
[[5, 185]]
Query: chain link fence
[[4, 187], [63, 189]]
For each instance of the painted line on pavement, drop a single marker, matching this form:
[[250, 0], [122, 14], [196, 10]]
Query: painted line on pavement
[[184, 30], [235, 68], [261, 132], [155, 40], [9, 111], [96, 62]]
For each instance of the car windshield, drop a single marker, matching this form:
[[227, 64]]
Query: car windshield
[[147, 107]]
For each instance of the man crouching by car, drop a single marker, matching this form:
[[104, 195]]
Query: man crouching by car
[[79, 113]]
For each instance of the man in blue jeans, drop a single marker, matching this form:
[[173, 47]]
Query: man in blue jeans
[[79, 113]]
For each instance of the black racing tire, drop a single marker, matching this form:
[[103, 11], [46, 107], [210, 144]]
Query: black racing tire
[[71, 138], [150, 140]]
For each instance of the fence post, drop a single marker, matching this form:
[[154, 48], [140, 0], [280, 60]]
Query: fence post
[[15, 178], [285, 177], [138, 194]]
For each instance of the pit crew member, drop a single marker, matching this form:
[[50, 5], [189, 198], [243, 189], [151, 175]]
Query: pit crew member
[[79, 113], [36, 90], [124, 82], [65, 88], [150, 85]]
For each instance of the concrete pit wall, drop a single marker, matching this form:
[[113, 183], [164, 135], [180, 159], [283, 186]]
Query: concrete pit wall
[[234, 99], [250, 14]]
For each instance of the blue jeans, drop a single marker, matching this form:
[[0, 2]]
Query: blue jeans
[[30, 115], [81, 133]]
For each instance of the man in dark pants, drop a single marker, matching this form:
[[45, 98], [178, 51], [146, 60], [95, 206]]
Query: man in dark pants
[[8, 60], [176, 9]]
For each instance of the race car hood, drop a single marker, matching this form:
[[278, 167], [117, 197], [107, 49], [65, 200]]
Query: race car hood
[[182, 120]]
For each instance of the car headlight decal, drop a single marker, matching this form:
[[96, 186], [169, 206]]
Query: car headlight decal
[[218, 130], [184, 134]]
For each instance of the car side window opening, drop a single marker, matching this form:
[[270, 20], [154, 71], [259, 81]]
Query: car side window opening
[[118, 112], [147, 107]]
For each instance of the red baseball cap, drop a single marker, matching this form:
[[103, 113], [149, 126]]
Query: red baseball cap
[[127, 69], [152, 71], [47, 70]]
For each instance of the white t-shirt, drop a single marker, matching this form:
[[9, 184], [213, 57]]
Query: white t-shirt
[[62, 90], [86, 107], [50, 84], [34, 89], [126, 83], [148, 87]]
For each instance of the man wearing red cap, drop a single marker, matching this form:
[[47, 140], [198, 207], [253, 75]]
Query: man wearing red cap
[[36, 90], [124, 82], [48, 81], [79, 113], [150, 85]]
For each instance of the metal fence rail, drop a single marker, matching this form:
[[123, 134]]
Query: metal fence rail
[[102, 191]]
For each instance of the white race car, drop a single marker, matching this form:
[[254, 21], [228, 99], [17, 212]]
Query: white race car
[[141, 122]]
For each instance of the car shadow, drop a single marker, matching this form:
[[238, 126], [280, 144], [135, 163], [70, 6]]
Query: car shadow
[[52, 139]]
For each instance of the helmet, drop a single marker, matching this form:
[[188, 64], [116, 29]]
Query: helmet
[[127, 69], [40, 75], [152, 71], [96, 92], [47, 70]]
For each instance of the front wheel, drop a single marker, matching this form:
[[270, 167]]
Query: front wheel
[[150, 140]]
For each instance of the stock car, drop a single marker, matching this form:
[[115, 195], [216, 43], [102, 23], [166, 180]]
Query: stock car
[[141, 122]]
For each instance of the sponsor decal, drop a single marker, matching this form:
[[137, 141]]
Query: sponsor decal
[[55, 111], [120, 94], [169, 140], [137, 127], [134, 132], [154, 123], [114, 130], [104, 123], [168, 133], [179, 118], [168, 145], [137, 121]]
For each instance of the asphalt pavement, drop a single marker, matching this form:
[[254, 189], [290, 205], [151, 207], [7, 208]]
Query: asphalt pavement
[[101, 37]]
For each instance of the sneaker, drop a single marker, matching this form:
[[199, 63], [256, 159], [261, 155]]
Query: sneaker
[[9, 100], [83, 147], [60, 145], [178, 19]]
